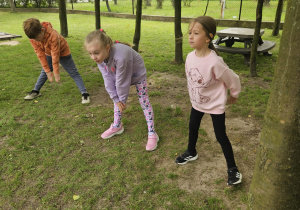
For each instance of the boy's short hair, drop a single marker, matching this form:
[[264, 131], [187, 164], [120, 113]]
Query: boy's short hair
[[32, 27]]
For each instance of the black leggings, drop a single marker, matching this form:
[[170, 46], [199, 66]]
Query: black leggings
[[220, 132]]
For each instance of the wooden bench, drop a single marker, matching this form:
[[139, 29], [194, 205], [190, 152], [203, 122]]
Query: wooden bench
[[263, 48]]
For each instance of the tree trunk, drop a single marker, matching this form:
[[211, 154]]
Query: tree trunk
[[148, 3], [50, 3], [12, 6], [259, 9], [178, 33], [63, 18], [277, 18], [137, 33], [132, 6], [107, 5], [160, 4], [275, 183], [206, 7], [97, 14], [240, 13]]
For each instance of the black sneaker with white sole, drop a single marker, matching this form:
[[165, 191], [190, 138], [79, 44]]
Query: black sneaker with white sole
[[186, 157], [85, 98], [234, 176]]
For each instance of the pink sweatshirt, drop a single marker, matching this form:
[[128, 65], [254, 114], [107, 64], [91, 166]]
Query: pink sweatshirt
[[208, 81]]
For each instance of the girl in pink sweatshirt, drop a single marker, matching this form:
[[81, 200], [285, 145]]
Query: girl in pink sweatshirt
[[209, 80]]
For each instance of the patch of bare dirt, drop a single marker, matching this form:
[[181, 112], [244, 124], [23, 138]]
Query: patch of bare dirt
[[10, 43]]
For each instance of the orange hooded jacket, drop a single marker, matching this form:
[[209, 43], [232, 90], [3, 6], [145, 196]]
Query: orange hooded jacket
[[53, 44]]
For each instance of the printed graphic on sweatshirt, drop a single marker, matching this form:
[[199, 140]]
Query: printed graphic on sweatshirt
[[195, 84]]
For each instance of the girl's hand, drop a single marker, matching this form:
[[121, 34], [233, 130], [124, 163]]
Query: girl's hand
[[57, 77], [50, 76], [231, 100], [121, 106]]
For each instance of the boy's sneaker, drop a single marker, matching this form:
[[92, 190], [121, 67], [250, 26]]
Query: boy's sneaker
[[33, 94], [152, 142], [234, 176], [85, 98], [112, 131], [186, 157]]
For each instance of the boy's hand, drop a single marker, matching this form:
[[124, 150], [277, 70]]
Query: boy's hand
[[121, 106], [231, 100], [57, 77], [50, 76]]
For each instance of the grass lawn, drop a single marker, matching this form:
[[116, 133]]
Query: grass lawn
[[51, 149]]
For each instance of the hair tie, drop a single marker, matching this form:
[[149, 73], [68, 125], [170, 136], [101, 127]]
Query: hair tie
[[101, 29]]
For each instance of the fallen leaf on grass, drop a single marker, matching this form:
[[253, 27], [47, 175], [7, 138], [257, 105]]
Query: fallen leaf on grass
[[76, 197], [36, 101]]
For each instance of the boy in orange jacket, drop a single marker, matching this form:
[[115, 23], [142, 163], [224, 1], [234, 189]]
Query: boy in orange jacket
[[51, 49]]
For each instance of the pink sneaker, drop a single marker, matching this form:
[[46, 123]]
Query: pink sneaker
[[152, 142], [112, 131]]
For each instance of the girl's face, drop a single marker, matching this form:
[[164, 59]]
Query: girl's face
[[98, 52], [197, 36]]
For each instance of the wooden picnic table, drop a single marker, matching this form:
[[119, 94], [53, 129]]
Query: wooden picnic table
[[245, 35], [7, 36]]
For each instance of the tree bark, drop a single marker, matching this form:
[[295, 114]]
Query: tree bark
[[275, 183], [137, 33], [178, 33], [12, 6], [63, 18], [132, 6], [160, 4], [107, 5], [97, 15], [259, 9], [277, 18], [240, 13]]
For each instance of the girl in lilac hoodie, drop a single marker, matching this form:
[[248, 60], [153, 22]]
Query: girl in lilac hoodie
[[121, 67], [209, 80]]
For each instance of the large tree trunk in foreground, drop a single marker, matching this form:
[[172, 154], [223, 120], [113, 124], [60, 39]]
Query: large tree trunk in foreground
[[275, 183], [63, 18]]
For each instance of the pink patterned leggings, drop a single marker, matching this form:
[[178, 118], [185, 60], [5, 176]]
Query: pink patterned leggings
[[142, 93]]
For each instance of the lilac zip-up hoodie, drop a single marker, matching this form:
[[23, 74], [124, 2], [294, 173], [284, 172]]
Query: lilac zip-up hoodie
[[124, 67]]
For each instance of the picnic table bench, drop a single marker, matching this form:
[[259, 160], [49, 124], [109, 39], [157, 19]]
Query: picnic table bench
[[7, 36], [229, 36]]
